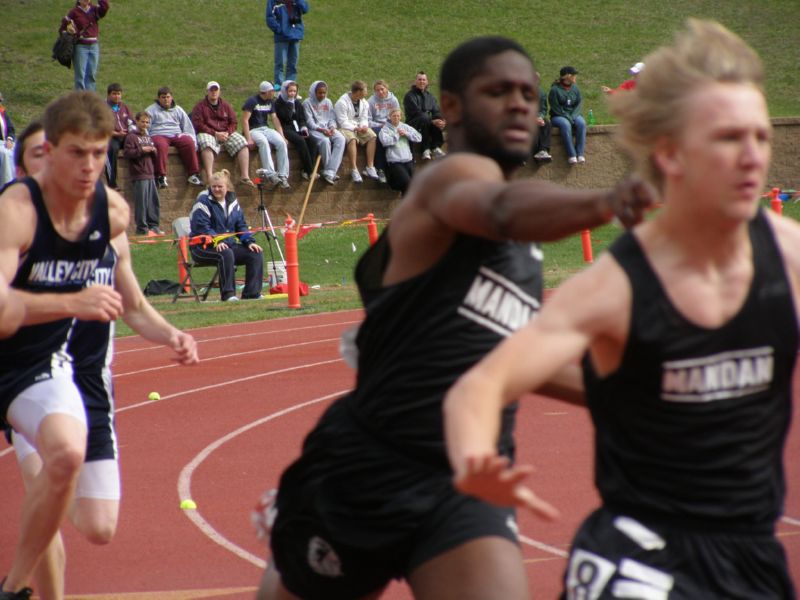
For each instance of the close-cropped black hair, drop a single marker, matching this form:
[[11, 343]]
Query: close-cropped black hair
[[468, 59]]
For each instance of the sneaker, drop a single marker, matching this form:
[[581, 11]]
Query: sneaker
[[581, 159], [572, 160], [195, 180], [356, 176], [283, 182], [426, 155], [381, 176], [231, 299], [247, 181], [329, 178], [161, 181], [259, 297], [305, 175], [542, 155], [438, 152], [156, 231], [371, 172], [142, 231]]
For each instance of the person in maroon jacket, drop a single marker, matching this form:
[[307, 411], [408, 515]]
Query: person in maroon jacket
[[123, 119], [83, 21], [215, 123], [141, 154]]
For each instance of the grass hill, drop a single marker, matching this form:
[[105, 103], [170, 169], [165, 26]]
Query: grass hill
[[185, 43]]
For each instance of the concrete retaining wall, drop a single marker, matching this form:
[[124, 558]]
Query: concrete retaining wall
[[604, 167]]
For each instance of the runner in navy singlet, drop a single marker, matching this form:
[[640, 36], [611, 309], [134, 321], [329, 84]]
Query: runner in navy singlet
[[371, 498], [58, 230], [689, 335]]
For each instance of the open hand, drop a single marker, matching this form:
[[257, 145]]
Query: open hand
[[492, 479]]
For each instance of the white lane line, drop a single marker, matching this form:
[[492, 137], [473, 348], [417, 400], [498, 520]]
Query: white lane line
[[791, 521], [228, 382], [232, 355], [542, 546], [241, 335], [185, 480]]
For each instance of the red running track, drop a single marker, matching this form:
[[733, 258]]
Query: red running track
[[224, 430]]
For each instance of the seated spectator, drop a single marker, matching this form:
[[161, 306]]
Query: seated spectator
[[628, 84], [380, 103], [7, 132], [396, 137], [29, 150], [216, 211], [257, 113], [123, 119], [141, 154], [541, 150], [565, 113], [215, 124], [423, 114], [352, 114], [171, 126], [321, 121], [293, 123]]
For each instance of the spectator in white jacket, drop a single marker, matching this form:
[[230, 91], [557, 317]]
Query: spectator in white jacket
[[352, 114], [396, 137], [322, 126]]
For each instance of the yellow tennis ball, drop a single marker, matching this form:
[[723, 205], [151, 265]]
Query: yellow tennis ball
[[188, 504], [154, 396]]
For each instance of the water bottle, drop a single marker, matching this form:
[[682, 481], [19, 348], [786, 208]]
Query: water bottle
[[590, 118]]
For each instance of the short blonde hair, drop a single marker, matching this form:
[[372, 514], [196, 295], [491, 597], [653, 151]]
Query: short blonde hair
[[702, 53]]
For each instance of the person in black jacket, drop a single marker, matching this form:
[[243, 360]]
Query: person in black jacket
[[293, 121], [423, 114]]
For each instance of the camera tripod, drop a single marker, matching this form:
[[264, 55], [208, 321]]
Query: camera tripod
[[269, 234]]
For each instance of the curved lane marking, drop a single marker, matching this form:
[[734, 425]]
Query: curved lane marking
[[185, 479]]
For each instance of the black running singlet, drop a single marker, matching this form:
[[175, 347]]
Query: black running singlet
[[693, 423]]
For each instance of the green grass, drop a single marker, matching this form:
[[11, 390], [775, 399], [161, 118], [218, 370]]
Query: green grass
[[327, 260], [185, 43]]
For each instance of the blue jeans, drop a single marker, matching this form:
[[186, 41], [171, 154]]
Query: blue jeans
[[286, 55], [85, 59], [565, 127]]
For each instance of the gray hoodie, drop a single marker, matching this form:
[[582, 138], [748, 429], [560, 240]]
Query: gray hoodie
[[319, 115], [379, 109]]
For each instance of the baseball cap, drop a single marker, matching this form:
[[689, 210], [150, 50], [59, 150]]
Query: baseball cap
[[212, 84], [568, 71], [265, 86], [637, 68]]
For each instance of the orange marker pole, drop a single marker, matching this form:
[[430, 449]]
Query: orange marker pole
[[292, 267], [372, 229], [183, 245], [775, 201], [586, 243]]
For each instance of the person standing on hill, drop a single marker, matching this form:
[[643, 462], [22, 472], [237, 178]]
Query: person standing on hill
[[82, 21], [285, 20]]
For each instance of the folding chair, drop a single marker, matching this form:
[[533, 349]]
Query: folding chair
[[187, 288]]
